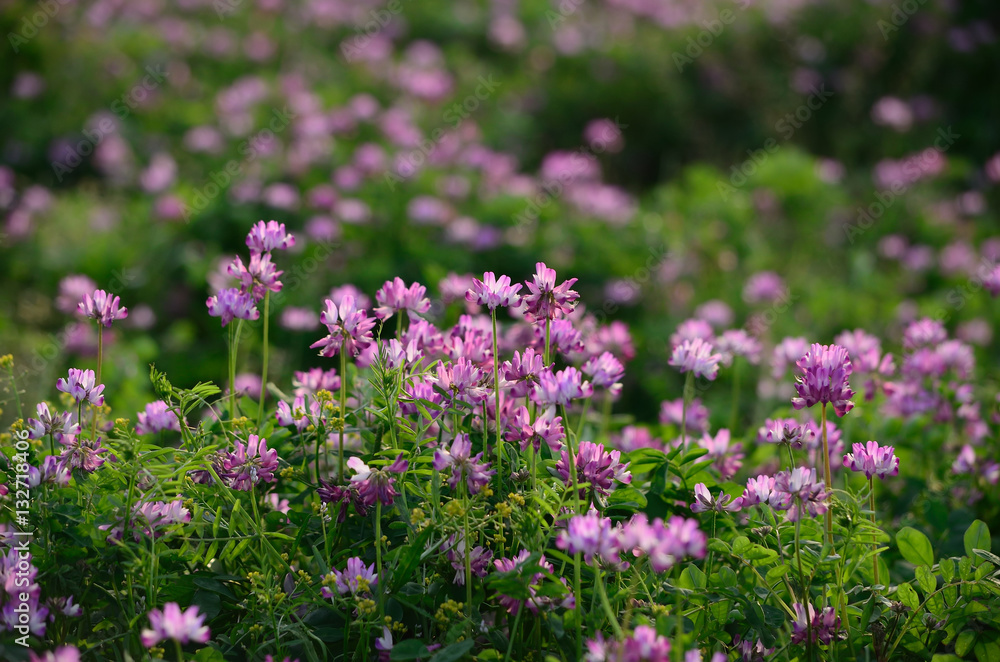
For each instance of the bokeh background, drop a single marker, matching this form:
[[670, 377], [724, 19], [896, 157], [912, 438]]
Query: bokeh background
[[664, 152]]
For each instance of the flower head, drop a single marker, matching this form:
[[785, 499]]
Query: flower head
[[546, 300], [350, 329], [704, 501], [61, 654], [873, 459], [821, 628], [547, 428], [596, 466], [605, 371], [803, 490], [376, 484], [47, 423], [825, 371], [230, 304], [781, 431], [257, 277], [80, 384], [463, 464], [535, 603], [84, 454], [493, 292], [591, 535], [172, 623], [560, 388], [102, 307], [248, 464], [696, 356], [479, 559], [663, 543], [643, 645], [461, 381], [155, 418], [268, 237], [356, 578], [394, 297]]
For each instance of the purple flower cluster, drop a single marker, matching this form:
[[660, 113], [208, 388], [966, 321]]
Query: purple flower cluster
[[376, 484], [102, 307], [535, 603], [819, 628], [463, 465], [545, 299], [156, 418], [664, 543], [81, 385], [48, 423], [494, 292], [349, 329], [19, 586], [356, 579], [173, 624], [873, 460], [395, 297], [248, 464], [596, 466], [696, 356], [825, 371]]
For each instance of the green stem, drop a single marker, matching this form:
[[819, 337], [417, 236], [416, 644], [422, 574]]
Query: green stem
[[688, 397], [602, 594], [679, 616], [263, 374], [467, 550], [806, 598], [232, 375], [577, 607], [13, 385], [496, 416], [826, 474], [734, 413], [343, 410], [100, 358], [513, 632], [545, 356], [180, 651], [871, 507], [378, 555]]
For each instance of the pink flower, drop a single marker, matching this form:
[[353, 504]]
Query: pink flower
[[825, 371], [590, 535], [156, 418], [80, 453], [230, 304], [48, 423], [264, 238], [172, 623], [873, 459], [461, 381], [546, 300], [493, 293], [395, 296], [547, 428], [596, 466], [258, 277], [820, 628], [249, 464], [102, 307], [561, 388], [605, 371], [357, 578], [350, 329], [61, 654], [704, 501], [80, 384], [463, 464], [664, 544], [375, 484], [696, 356]]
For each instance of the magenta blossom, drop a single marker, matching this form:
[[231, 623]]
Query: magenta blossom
[[395, 297], [644, 645], [80, 384], [268, 237], [803, 491], [591, 535], [761, 490], [781, 431], [664, 544], [825, 371], [493, 292], [696, 356], [156, 418], [463, 464], [873, 459], [728, 456], [84, 454], [605, 371], [535, 603], [102, 307], [258, 277], [479, 559], [376, 484], [230, 304], [596, 466], [249, 464], [560, 388], [350, 329], [704, 501], [356, 579], [172, 623], [546, 300], [461, 381], [821, 628], [547, 428], [61, 654], [47, 423], [522, 371]]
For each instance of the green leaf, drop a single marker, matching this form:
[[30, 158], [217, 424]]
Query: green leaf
[[946, 657], [948, 569], [741, 544], [926, 579], [454, 652], [977, 537], [908, 596], [408, 649], [208, 655], [777, 572], [760, 555], [627, 498], [692, 578], [964, 642], [915, 547]]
